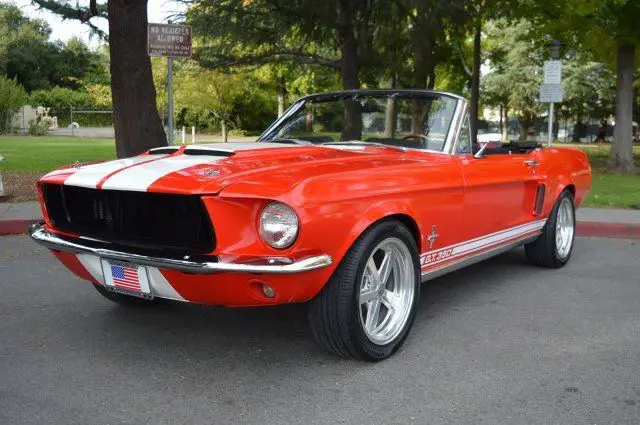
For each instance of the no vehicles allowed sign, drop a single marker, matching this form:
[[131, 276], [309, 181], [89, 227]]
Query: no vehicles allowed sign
[[169, 40]]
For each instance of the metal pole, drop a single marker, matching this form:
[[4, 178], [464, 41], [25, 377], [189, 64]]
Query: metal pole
[[170, 90], [193, 134], [550, 125]]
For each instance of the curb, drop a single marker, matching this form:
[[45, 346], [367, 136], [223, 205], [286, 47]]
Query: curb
[[15, 227], [608, 230], [593, 229]]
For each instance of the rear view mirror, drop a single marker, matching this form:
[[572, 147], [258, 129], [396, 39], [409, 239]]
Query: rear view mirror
[[483, 147]]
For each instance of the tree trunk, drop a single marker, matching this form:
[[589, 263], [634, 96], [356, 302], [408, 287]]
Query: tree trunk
[[422, 41], [390, 114], [309, 120], [282, 93], [621, 158], [555, 130], [225, 133], [523, 126], [475, 81], [504, 123], [136, 120], [350, 69]]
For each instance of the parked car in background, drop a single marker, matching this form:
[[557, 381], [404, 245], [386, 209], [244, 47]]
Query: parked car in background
[[349, 201]]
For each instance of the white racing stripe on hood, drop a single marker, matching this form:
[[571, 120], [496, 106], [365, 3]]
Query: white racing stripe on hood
[[240, 146], [140, 177], [90, 175]]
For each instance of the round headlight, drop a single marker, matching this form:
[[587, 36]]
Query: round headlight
[[278, 225]]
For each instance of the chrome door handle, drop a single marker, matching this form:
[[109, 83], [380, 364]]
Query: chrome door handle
[[532, 162]]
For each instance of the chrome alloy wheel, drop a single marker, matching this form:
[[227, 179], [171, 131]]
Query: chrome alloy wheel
[[386, 291], [564, 228]]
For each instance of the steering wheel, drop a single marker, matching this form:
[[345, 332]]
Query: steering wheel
[[418, 138]]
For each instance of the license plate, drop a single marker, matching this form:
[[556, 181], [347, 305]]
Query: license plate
[[126, 278]]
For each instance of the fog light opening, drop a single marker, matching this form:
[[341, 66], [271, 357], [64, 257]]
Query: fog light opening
[[268, 291]]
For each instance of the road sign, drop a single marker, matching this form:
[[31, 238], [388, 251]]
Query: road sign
[[553, 72], [551, 93], [169, 40], [172, 41]]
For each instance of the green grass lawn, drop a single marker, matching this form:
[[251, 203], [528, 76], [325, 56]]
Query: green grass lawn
[[33, 156], [42, 154], [614, 191], [609, 190]]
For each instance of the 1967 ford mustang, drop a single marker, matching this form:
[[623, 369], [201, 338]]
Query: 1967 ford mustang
[[349, 200]]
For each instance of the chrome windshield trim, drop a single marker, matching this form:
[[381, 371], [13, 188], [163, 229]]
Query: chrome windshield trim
[[455, 127], [50, 240]]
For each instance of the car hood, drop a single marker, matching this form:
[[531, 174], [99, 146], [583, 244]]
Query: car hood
[[261, 169]]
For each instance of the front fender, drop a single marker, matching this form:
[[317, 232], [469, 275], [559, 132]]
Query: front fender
[[378, 211]]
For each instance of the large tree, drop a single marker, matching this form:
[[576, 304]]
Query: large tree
[[601, 27], [136, 120], [515, 61]]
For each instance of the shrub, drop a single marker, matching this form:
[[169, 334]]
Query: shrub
[[37, 126], [12, 98], [60, 97]]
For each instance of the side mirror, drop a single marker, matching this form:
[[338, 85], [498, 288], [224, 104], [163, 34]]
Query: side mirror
[[483, 147]]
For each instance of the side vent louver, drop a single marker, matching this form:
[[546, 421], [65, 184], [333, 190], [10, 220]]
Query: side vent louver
[[539, 203]]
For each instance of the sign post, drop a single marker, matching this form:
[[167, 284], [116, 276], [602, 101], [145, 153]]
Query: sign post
[[551, 90], [170, 41], [170, 101]]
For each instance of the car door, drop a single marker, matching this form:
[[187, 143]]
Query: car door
[[500, 191]]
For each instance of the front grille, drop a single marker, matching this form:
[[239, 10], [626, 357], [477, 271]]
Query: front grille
[[178, 223]]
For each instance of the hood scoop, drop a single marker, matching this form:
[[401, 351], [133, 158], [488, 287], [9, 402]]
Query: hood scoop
[[191, 151], [163, 151], [207, 152]]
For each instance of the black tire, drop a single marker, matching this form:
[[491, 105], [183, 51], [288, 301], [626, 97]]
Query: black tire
[[334, 314], [544, 250], [126, 300]]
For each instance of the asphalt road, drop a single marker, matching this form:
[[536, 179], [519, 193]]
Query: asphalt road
[[497, 343]]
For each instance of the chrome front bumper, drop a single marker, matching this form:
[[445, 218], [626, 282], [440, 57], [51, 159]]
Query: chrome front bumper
[[269, 266]]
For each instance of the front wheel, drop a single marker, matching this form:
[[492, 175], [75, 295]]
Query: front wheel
[[554, 246], [366, 309]]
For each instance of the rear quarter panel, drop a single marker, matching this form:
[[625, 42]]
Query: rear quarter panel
[[562, 168]]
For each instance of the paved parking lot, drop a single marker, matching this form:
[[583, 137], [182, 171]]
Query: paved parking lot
[[497, 343]]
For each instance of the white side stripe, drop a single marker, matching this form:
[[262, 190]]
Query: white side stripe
[[161, 287], [90, 175], [460, 249], [93, 266], [139, 178]]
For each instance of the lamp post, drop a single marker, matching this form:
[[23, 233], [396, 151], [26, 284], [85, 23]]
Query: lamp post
[[554, 53], [554, 48]]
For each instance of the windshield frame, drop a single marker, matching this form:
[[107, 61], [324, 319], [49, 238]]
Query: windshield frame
[[452, 133]]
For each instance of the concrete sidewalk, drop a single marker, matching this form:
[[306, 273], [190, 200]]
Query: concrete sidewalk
[[608, 223], [20, 211], [606, 215], [597, 222], [15, 218]]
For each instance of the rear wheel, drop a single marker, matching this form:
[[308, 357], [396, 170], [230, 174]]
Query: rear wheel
[[366, 309], [554, 246], [126, 300]]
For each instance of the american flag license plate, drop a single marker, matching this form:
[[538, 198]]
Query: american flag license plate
[[126, 278]]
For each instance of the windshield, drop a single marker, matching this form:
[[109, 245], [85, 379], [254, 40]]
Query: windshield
[[405, 120]]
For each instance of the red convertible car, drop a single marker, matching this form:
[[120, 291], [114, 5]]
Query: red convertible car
[[349, 201]]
